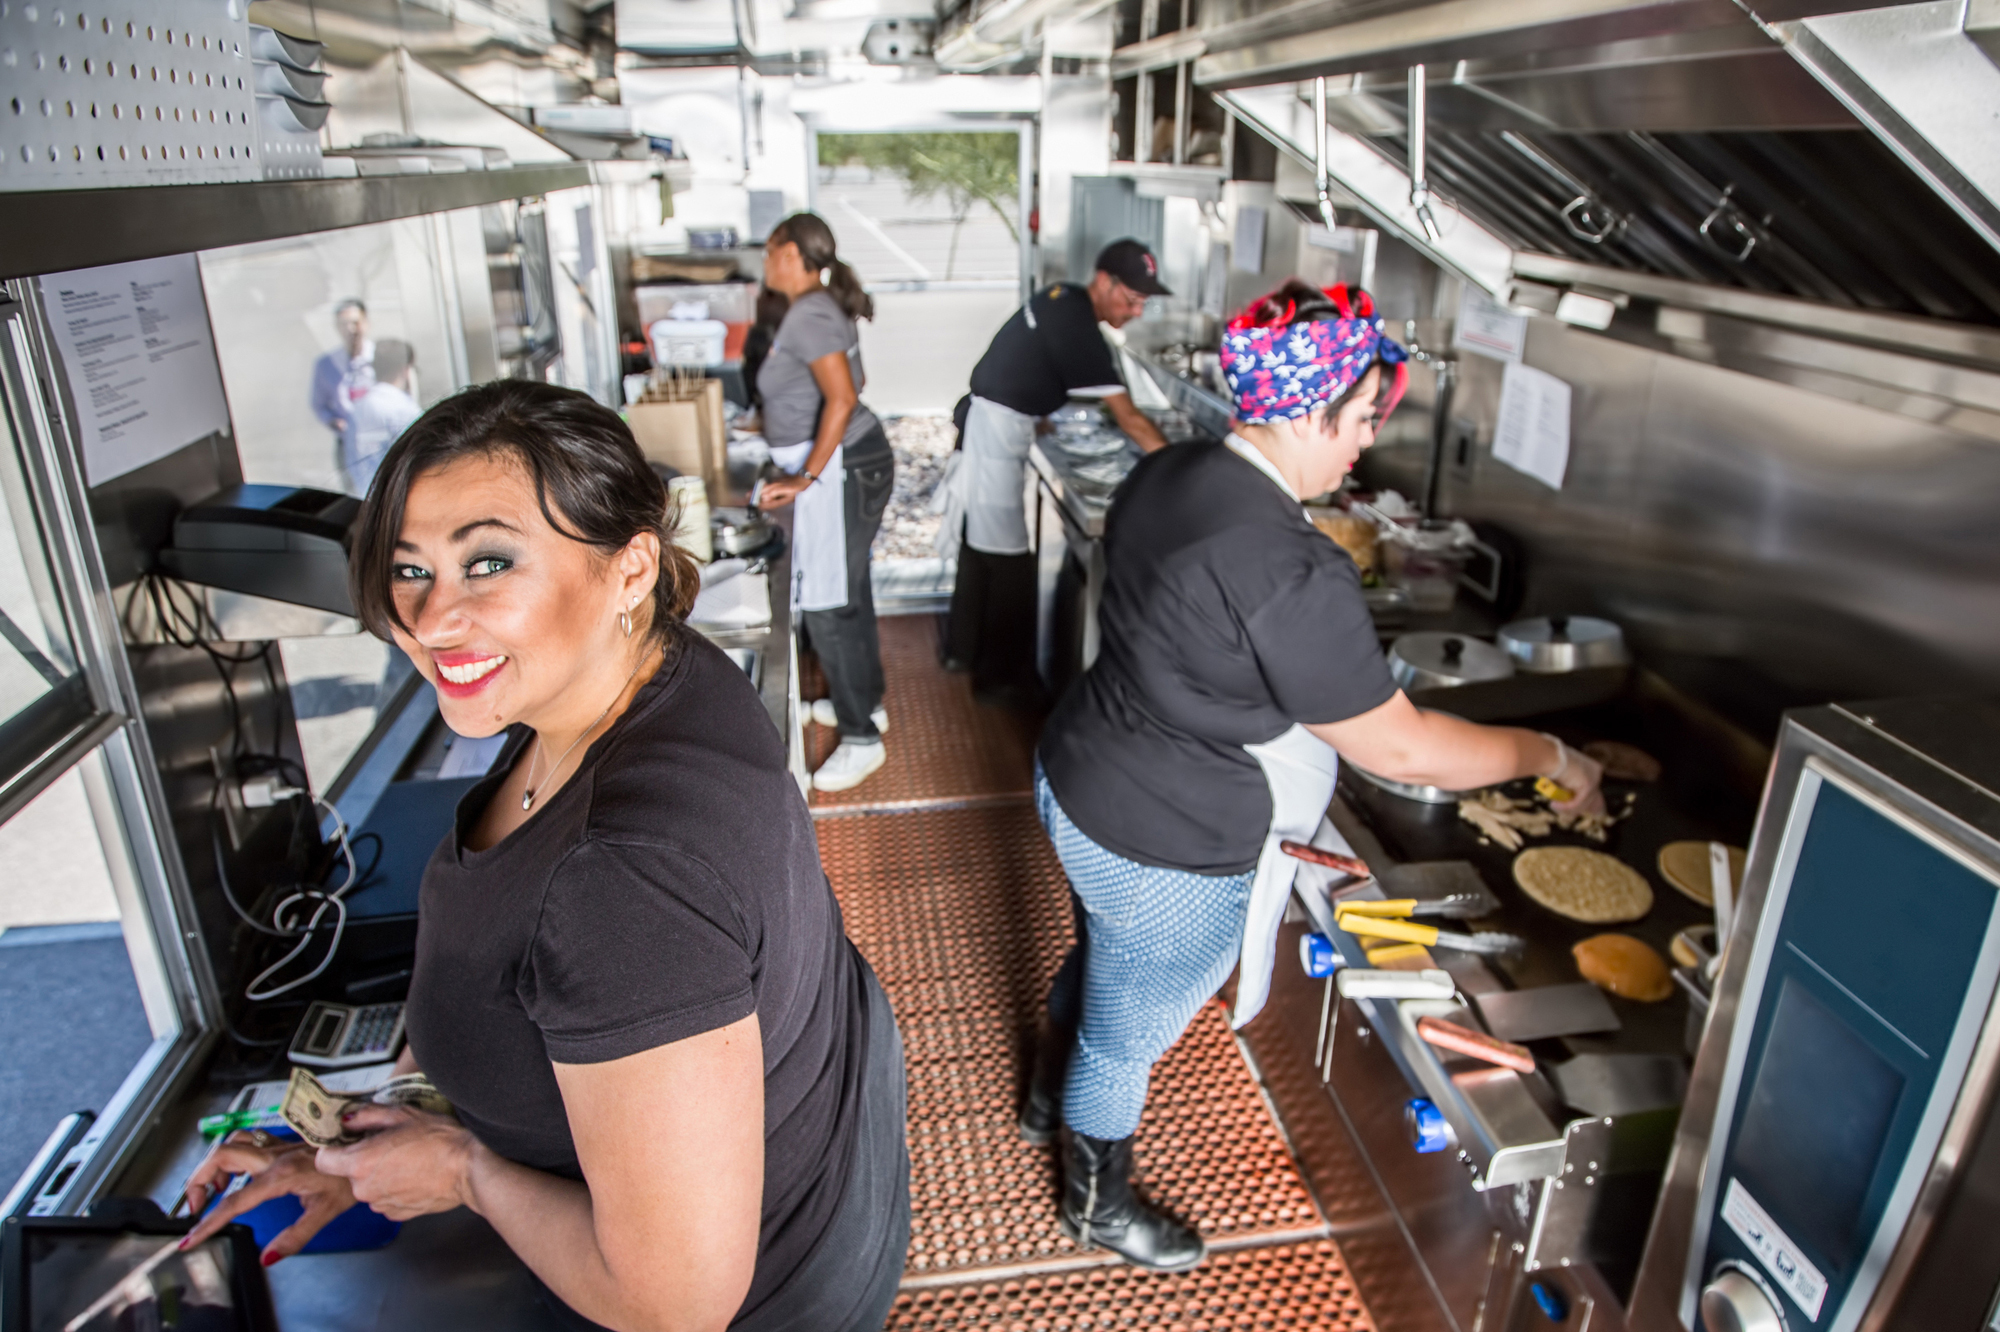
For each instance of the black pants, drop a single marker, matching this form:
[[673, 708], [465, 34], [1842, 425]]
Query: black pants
[[849, 1282], [991, 626], [848, 644]]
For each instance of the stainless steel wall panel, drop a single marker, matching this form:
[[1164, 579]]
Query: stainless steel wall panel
[[1763, 545]]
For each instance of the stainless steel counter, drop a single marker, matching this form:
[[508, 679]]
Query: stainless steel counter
[[1531, 1190], [1081, 486], [774, 674]]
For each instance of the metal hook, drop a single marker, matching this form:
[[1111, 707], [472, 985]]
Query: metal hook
[[1726, 212], [1591, 220]]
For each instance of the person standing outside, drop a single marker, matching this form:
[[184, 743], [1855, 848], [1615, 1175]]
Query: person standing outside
[[1239, 664], [381, 414], [342, 375], [841, 469], [1049, 352]]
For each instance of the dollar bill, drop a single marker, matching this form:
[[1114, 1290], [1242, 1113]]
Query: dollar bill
[[315, 1112]]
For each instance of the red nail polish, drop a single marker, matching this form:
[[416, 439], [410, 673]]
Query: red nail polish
[[271, 1259]]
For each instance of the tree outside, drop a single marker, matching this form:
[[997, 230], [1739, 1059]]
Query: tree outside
[[966, 168]]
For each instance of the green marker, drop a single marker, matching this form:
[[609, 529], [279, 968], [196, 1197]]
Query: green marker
[[216, 1126]]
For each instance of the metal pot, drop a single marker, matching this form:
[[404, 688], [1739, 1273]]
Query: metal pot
[[1428, 795], [1432, 660], [1557, 643], [740, 531]]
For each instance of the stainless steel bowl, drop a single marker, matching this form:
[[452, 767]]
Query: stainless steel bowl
[[1552, 644], [1432, 660], [739, 531]]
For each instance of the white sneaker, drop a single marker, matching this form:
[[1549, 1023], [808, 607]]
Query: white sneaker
[[823, 713], [849, 765]]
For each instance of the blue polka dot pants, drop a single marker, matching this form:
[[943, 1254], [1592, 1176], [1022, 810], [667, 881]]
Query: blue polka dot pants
[[1153, 945]]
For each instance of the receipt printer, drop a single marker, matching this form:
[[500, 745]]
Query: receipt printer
[[287, 543]]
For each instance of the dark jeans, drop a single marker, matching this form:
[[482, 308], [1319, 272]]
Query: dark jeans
[[849, 1282], [991, 626], [849, 648]]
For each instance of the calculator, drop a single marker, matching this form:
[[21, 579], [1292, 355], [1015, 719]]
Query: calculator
[[343, 1035]]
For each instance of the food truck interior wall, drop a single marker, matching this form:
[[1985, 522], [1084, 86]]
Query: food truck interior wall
[[1764, 545]]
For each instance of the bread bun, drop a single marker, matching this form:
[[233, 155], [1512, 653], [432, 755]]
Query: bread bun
[[1624, 966]]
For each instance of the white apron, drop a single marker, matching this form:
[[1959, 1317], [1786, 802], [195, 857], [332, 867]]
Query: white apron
[[991, 480], [1299, 768], [819, 530]]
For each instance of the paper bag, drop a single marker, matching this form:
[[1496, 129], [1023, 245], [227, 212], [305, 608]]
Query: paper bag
[[672, 433], [681, 423]]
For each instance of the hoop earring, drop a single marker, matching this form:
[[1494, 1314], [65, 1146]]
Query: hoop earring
[[625, 623]]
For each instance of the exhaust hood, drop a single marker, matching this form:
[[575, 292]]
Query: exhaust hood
[[1826, 157]]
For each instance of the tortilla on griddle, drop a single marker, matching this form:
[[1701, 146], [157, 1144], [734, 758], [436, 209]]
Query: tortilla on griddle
[[1583, 885], [1684, 865]]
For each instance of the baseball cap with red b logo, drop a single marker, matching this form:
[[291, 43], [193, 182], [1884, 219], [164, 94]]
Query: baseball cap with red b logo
[[1133, 264]]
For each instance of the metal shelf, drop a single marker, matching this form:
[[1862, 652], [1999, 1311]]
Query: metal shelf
[[51, 231]]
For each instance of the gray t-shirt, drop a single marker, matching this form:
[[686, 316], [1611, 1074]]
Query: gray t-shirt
[[815, 326]]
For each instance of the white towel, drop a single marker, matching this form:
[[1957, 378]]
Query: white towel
[[1300, 769], [819, 530]]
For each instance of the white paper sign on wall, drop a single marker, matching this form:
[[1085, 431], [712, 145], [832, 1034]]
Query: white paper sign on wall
[[1532, 432], [139, 359], [1246, 250], [1489, 328]]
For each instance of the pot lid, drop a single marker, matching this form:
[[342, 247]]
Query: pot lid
[[1451, 658], [1583, 630]]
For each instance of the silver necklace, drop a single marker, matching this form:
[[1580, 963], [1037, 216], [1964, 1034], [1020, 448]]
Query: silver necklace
[[528, 795]]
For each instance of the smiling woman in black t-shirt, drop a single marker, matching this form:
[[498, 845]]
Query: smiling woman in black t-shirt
[[1236, 657], [679, 1089]]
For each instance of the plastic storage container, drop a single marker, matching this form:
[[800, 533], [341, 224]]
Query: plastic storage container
[[688, 342]]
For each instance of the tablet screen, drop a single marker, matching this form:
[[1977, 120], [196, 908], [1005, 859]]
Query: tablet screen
[[113, 1283]]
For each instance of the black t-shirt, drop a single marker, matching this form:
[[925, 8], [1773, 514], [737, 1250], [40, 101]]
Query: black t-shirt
[[671, 887], [1227, 617], [1049, 350]]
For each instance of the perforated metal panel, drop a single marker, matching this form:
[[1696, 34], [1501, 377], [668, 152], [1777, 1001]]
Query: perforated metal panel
[[125, 92]]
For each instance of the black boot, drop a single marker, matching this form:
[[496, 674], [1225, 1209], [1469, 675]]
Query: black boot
[[1099, 1209], [1041, 1113]]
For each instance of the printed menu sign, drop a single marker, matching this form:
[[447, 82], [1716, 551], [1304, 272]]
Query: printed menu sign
[[1532, 433], [139, 358]]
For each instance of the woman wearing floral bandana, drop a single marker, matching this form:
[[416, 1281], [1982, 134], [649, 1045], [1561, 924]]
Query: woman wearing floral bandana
[[1237, 663]]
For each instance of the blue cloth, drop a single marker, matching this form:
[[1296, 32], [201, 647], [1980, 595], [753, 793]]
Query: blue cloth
[[1153, 945]]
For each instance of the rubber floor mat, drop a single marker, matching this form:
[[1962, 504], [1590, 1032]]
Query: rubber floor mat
[[1293, 1286], [942, 745], [964, 914]]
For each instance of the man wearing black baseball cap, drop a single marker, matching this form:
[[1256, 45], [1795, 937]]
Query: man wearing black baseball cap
[[1049, 352]]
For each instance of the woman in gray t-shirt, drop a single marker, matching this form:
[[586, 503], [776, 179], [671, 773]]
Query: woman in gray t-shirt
[[820, 431]]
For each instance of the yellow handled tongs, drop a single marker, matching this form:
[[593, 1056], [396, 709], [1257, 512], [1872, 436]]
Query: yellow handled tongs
[[1369, 925]]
